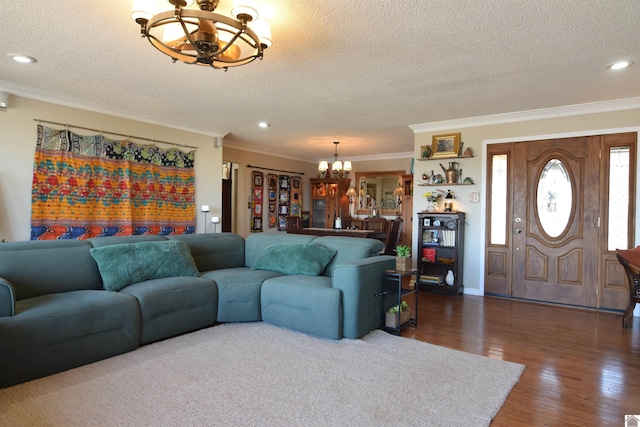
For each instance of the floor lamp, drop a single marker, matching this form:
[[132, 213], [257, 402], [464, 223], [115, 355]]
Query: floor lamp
[[205, 209], [215, 221]]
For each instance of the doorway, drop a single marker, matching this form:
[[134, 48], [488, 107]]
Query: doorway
[[228, 196], [556, 211]]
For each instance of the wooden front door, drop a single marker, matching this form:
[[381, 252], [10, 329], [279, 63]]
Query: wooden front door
[[556, 254], [554, 243]]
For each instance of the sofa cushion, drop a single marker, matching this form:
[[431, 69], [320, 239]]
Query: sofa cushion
[[305, 304], [98, 242], [298, 258], [256, 243], [59, 331], [214, 251], [172, 306], [125, 264], [349, 249], [41, 267], [239, 293]]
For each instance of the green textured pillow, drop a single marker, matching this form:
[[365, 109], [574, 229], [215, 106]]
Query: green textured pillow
[[299, 258], [125, 264]]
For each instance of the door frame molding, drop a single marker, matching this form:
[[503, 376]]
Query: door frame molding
[[483, 184]]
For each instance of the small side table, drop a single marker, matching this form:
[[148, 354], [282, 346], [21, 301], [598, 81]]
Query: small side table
[[392, 281]]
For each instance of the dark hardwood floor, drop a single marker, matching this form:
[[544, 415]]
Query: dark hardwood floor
[[582, 368]]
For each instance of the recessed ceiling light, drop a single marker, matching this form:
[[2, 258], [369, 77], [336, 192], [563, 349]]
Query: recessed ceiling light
[[23, 59], [619, 65], [263, 124]]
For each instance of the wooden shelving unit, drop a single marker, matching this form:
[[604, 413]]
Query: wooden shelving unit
[[440, 249]]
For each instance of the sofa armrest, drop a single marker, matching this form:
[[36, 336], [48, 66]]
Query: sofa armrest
[[360, 281], [7, 298]]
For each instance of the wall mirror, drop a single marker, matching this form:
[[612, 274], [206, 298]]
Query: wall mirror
[[375, 191]]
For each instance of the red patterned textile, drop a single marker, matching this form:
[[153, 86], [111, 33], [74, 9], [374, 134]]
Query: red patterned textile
[[91, 186]]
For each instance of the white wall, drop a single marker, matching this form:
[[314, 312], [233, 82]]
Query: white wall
[[18, 134], [476, 136]]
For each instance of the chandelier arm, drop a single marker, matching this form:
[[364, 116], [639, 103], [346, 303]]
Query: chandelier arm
[[178, 17], [188, 34], [229, 44]]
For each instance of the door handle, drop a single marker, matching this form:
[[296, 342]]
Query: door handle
[[518, 231]]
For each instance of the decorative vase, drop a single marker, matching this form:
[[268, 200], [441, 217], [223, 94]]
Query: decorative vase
[[449, 279], [403, 264], [451, 173], [391, 319], [431, 206]]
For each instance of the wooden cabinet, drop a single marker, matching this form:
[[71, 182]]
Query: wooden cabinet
[[406, 209], [328, 199], [440, 251]]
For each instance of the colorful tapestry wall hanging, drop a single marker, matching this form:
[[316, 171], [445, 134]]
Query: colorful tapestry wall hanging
[[273, 199], [91, 186], [284, 194], [296, 196], [257, 179]]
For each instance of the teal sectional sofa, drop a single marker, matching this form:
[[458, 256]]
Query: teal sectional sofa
[[67, 303]]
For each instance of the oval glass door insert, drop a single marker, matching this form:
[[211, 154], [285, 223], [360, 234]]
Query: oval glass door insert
[[554, 198]]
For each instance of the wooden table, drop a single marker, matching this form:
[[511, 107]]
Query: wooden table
[[370, 234]]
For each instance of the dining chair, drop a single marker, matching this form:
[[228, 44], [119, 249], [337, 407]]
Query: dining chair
[[630, 260], [395, 229], [294, 223], [380, 225]]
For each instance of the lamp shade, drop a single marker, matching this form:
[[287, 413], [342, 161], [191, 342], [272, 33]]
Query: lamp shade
[[242, 9], [324, 165], [351, 192], [263, 30]]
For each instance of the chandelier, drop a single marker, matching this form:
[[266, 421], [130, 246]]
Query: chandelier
[[203, 37], [340, 170]]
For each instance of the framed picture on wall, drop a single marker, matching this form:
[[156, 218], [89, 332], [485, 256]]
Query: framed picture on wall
[[445, 145]]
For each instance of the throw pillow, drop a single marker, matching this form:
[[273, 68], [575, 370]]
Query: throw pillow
[[124, 264], [300, 258]]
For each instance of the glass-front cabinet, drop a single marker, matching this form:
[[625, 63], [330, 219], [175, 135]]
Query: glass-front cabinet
[[328, 201], [319, 209]]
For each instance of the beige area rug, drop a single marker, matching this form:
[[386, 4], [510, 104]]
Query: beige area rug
[[255, 374]]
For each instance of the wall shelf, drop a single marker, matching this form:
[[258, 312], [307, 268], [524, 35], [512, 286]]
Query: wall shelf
[[420, 159], [424, 184]]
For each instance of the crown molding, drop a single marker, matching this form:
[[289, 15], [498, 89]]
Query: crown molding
[[69, 101], [528, 115], [369, 157], [229, 143], [252, 148]]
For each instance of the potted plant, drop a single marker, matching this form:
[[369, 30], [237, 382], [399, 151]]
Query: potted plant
[[403, 258], [397, 315]]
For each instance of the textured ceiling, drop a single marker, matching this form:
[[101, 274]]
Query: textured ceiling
[[358, 71]]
